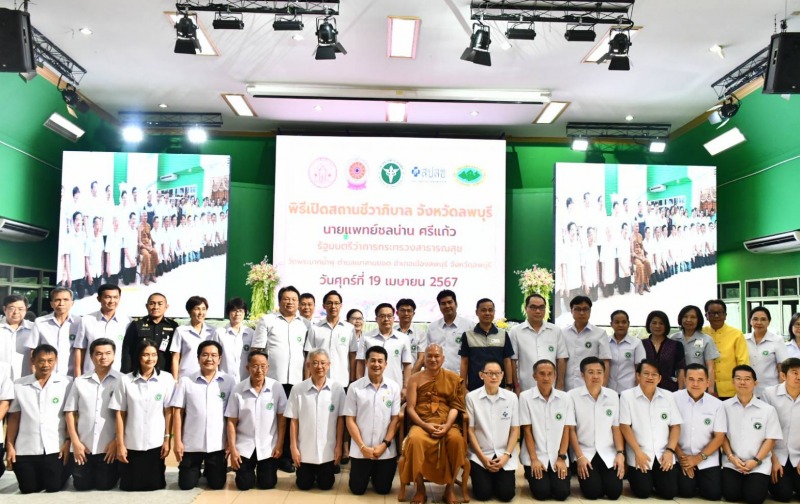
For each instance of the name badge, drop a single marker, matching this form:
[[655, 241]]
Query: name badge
[[698, 343], [163, 346], [494, 341]]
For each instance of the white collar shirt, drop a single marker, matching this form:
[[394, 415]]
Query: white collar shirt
[[339, 341], [257, 414], [235, 348], [748, 427], [397, 347], [792, 349], [89, 398], [12, 346], [317, 411], [492, 417], [185, 341], [592, 341], [698, 348], [204, 403], [788, 410], [594, 421], [414, 338], [650, 420], [448, 336], [531, 346], [701, 419], [284, 342], [765, 357], [46, 330], [548, 418], [624, 357], [42, 428], [95, 326], [144, 401], [6, 382], [373, 408]]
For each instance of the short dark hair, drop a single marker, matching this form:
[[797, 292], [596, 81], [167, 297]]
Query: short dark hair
[[446, 293], [686, 309], [795, 318], [647, 362], [744, 367], [288, 288], [580, 300], [406, 302], [108, 287], [697, 365], [492, 361], [619, 312], [483, 300], [715, 301], [657, 314], [254, 353], [140, 348], [102, 342], [331, 293], [236, 303], [378, 349], [13, 298], [194, 301], [542, 362], [207, 343], [382, 306], [58, 290], [761, 309], [534, 295], [44, 348], [353, 311], [790, 363], [307, 295], [588, 361], [151, 296]]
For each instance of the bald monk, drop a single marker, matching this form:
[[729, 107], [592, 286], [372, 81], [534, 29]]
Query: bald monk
[[434, 448]]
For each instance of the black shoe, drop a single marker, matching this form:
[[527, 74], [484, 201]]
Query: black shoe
[[286, 465], [345, 460], [337, 469]]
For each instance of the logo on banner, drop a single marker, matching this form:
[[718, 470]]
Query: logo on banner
[[322, 172], [426, 174], [469, 175], [391, 173], [357, 175]]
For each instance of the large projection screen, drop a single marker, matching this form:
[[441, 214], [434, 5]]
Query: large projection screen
[[634, 237], [380, 219], [182, 199]]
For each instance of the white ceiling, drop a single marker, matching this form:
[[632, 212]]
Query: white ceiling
[[131, 64]]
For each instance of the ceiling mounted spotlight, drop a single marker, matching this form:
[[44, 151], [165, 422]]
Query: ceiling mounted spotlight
[[478, 50], [186, 30], [132, 134], [520, 31], [73, 100], [618, 47], [227, 21], [724, 112], [579, 33], [327, 39], [658, 146], [287, 24], [197, 135], [580, 144]]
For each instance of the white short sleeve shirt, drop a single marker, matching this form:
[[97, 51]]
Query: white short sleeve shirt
[[284, 342], [701, 419], [448, 336], [89, 398], [594, 420], [317, 411], [42, 428], [339, 341], [257, 414], [592, 341], [649, 419], [548, 419], [624, 357], [788, 410], [397, 346], [144, 400], [531, 346], [235, 348], [492, 417], [95, 326], [373, 408], [185, 341], [12, 347], [46, 330], [765, 358], [204, 403], [748, 427]]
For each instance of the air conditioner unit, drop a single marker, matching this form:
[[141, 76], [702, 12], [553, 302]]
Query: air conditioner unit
[[59, 124], [775, 244], [12, 230]]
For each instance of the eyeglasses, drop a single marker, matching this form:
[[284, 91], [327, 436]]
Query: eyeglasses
[[238, 311], [332, 303], [260, 367], [492, 374], [14, 309], [581, 309], [357, 319], [536, 307], [648, 374], [385, 317], [715, 313]]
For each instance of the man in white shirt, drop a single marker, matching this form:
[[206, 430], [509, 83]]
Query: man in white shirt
[[307, 306], [447, 331], [583, 340], [785, 398], [256, 426], [94, 256], [595, 438], [626, 351], [14, 332], [534, 340], [200, 400], [113, 252], [397, 345], [58, 329], [545, 414], [106, 323], [493, 435], [36, 442], [702, 434], [406, 308], [337, 337], [91, 423], [6, 396], [314, 407], [130, 250], [371, 409], [753, 428]]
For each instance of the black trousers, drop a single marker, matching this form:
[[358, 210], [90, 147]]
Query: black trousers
[[287, 442], [602, 481], [748, 488], [487, 485], [143, 472], [706, 483], [262, 474], [41, 472], [95, 474], [381, 472], [549, 487], [215, 470], [2, 458], [663, 483], [788, 485], [321, 473]]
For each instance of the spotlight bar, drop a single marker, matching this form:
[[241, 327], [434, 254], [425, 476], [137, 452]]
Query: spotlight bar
[[576, 35], [554, 11], [520, 34], [228, 24], [633, 131], [171, 119], [289, 8], [287, 25]]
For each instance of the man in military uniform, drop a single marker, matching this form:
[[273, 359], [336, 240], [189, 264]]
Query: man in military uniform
[[155, 326]]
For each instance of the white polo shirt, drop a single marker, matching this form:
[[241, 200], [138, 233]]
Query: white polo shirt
[[624, 357], [594, 420], [547, 419], [701, 419], [95, 326], [6, 382], [592, 341], [257, 430], [46, 330], [185, 341], [448, 336], [284, 342], [145, 402], [530, 347], [112, 248], [42, 428], [317, 411], [492, 417], [765, 357], [205, 403], [373, 408], [698, 348], [89, 398], [338, 341], [748, 427], [397, 346], [12, 347], [788, 411], [235, 348], [650, 420], [414, 339]]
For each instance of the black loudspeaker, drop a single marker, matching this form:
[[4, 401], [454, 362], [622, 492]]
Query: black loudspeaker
[[16, 41], [783, 64]]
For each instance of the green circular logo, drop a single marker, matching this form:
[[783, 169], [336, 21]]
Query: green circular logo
[[458, 339], [331, 408], [413, 348], [270, 406], [222, 395], [664, 416], [120, 337], [299, 339], [551, 349], [558, 416], [388, 404], [707, 421], [56, 400], [396, 352], [246, 348], [342, 340], [765, 353], [757, 426], [391, 173], [609, 412], [627, 355], [72, 337], [159, 397], [588, 344]]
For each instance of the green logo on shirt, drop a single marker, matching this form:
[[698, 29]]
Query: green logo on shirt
[[664, 416], [458, 339], [397, 352], [222, 395], [72, 337], [159, 397], [388, 404], [765, 353], [56, 400], [299, 339], [707, 421], [342, 340], [331, 408], [551, 349], [558, 416], [588, 344], [246, 348], [627, 355], [413, 348], [609, 412], [697, 354], [757, 426], [120, 337], [270, 406]]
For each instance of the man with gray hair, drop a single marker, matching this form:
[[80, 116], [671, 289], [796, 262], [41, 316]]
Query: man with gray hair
[[57, 329], [314, 408]]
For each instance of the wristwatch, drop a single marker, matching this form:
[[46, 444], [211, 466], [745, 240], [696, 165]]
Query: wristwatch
[[758, 461], [388, 443], [703, 456], [562, 456]]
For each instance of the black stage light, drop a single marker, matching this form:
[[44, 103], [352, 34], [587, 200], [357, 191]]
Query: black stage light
[[478, 50], [576, 35], [520, 34], [729, 107], [619, 44], [287, 25], [186, 30], [619, 63], [327, 42], [228, 24]]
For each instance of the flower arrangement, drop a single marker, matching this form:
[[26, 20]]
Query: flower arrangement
[[536, 280], [263, 278], [502, 323]]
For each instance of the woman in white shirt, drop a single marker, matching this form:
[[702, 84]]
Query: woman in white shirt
[[794, 334], [767, 350], [236, 339]]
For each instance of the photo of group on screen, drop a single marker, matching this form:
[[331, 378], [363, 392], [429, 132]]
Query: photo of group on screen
[[135, 240]]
